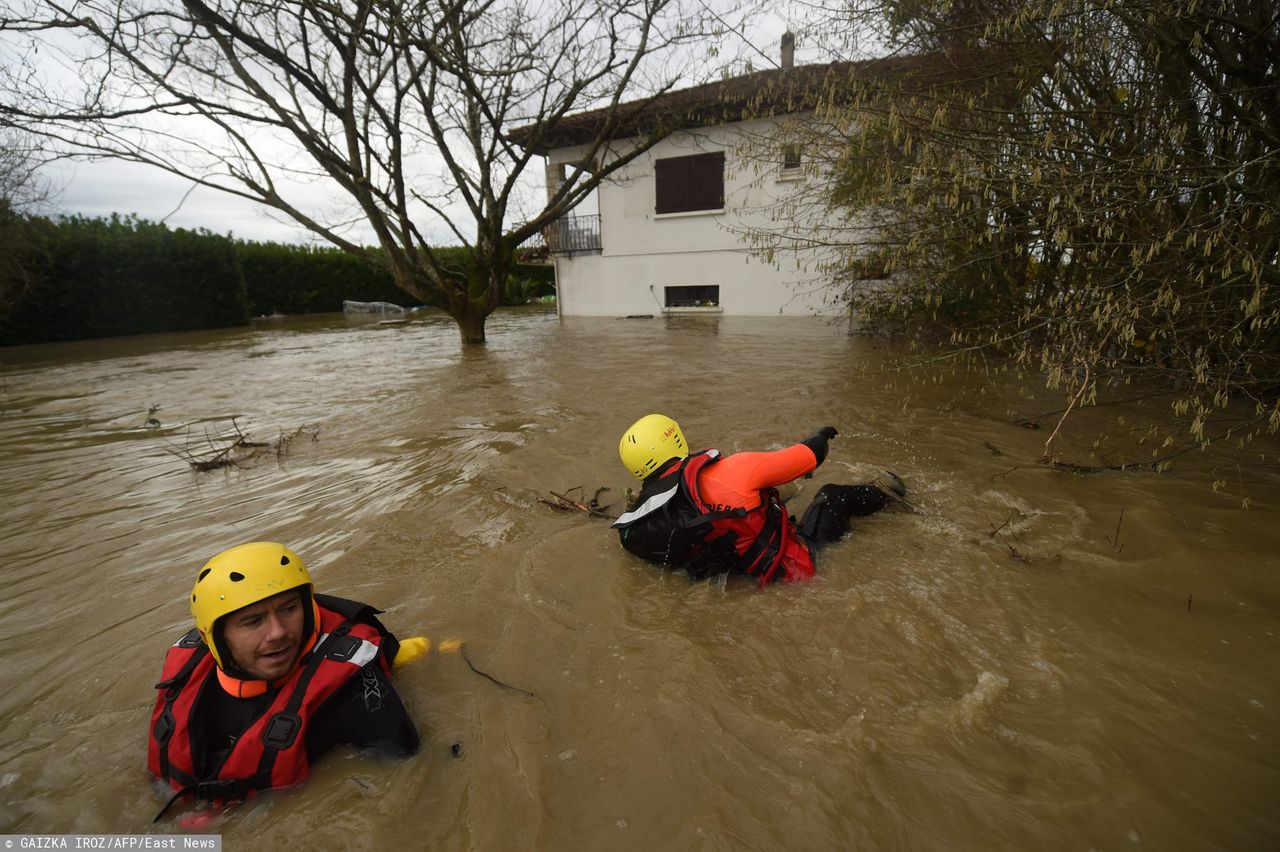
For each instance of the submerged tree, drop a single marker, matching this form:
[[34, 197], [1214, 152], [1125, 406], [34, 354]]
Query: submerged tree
[[1093, 186], [404, 107]]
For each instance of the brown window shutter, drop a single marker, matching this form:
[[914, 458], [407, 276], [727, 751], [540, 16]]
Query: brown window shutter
[[706, 181], [690, 183], [673, 185]]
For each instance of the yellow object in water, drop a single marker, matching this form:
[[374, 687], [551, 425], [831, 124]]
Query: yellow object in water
[[410, 650], [417, 646]]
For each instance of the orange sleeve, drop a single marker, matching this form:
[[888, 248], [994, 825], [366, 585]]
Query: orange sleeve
[[735, 481]]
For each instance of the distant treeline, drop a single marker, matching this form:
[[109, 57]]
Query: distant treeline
[[87, 278]]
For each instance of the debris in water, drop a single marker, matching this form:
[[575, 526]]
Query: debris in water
[[488, 676], [1031, 560], [236, 450], [1115, 543], [997, 532], [995, 529], [590, 508]]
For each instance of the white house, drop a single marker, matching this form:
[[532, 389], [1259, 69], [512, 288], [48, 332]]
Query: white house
[[670, 230]]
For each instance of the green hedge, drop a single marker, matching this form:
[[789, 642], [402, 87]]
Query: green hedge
[[303, 280], [108, 277], [90, 278], [291, 279]]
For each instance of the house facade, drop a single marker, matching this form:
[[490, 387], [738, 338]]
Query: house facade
[[672, 231], [683, 227]]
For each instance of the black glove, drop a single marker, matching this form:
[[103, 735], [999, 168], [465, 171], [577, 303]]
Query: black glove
[[818, 442]]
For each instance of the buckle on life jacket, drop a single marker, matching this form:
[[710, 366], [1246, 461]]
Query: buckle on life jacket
[[342, 648], [190, 639], [282, 730], [165, 726]]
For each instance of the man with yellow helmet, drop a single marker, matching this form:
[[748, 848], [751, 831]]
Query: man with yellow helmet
[[710, 514], [272, 677]]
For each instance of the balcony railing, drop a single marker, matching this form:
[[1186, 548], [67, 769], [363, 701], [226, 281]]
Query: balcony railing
[[572, 234]]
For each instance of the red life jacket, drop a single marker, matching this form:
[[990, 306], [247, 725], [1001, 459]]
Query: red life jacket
[[272, 751], [673, 524]]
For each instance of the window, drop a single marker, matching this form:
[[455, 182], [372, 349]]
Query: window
[[790, 157], [690, 183], [703, 296]]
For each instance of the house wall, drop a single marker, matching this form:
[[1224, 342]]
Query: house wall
[[644, 252]]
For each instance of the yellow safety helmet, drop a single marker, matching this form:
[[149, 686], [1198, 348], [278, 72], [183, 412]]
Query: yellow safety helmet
[[651, 440], [242, 576]]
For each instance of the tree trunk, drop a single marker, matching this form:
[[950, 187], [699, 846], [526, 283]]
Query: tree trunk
[[470, 324], [483, 290]]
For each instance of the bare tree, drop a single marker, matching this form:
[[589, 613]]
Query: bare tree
[[1089, 185], [22, 193], [405, 107]]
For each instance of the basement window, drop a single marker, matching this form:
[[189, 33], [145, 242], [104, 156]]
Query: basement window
[[701, 296]]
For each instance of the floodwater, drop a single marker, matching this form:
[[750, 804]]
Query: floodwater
[[1032, 660]]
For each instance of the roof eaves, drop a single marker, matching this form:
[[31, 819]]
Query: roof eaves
[[760, 94]]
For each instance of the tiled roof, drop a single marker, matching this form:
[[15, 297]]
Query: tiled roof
[[778, 91]]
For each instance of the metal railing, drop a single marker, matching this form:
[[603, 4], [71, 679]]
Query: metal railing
[[570, 234]]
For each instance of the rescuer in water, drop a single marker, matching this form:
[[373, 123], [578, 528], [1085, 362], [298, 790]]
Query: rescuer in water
[[710, 514], [272, 677]]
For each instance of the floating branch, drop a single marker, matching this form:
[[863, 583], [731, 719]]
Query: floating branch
[[1115, 543], [1033, 421], [1157, 465], [591, 508], [284, 442], [485, 674], [236, 450], [998, 534], [1160, 464], [1072, 467], [1031, 560], [1007, 521]]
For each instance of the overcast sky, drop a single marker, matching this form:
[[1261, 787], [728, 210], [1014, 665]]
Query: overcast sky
[[100, 188]]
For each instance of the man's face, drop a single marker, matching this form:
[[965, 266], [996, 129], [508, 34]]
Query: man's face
[[264, 638]]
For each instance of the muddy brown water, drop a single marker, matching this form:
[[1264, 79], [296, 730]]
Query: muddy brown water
[[1016, 666]]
